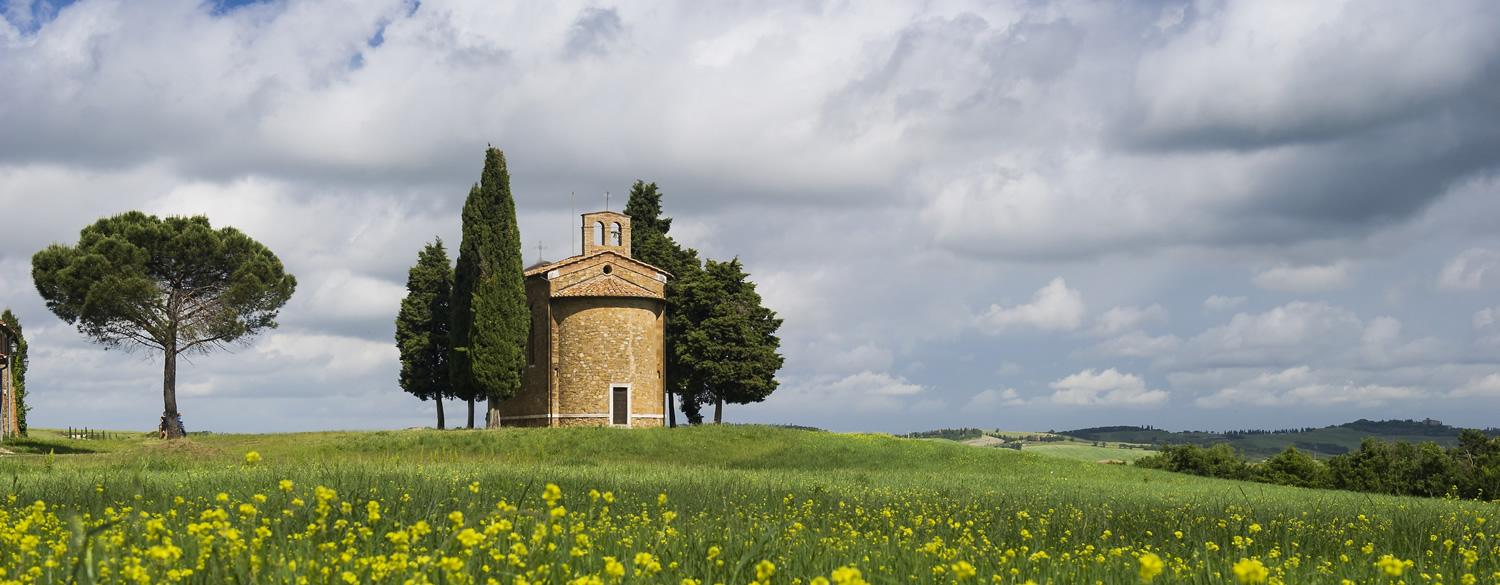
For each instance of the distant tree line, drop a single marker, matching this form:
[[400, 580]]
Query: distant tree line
[[963, 434], [1469, 470], [1112, 429], [1384, 428], [1247, 432], [1038, 438]]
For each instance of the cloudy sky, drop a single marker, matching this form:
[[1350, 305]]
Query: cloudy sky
[[1025, 215]]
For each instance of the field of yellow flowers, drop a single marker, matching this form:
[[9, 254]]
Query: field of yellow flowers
[[700, 506]]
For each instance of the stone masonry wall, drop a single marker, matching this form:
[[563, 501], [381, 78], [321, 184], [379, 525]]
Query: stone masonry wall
[[533, 398], [602, 342]]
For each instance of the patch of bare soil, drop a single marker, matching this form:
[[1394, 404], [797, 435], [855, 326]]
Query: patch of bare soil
[[984, 441], [4, 451]]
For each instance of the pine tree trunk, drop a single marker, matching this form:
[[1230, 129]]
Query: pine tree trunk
[[718, 411], [171, 424], [441, 421], [671, 411], [471, 413], [492, 414]]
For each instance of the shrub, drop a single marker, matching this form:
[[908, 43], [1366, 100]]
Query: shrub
[[1470, 470]]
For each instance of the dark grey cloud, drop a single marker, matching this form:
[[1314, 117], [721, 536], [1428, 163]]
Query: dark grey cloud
[[593, 32]]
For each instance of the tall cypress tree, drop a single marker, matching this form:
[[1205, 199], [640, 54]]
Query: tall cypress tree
[[730, 347], [650, 243], [17, 369], [422, 327], [490, 316]]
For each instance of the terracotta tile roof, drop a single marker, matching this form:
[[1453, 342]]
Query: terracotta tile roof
[[606, 286]]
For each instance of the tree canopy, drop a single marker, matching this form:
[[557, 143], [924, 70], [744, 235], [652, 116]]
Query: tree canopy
[[650, 243], [730, 348], [422, 327], [174, 285], [490, 317]]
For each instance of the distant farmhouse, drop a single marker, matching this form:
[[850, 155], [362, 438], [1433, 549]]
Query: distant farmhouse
[[598, 329], [9, 423]]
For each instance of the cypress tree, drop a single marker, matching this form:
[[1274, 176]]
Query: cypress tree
[[422, 327], [650, 243], [17, 369], [490, 316], [730, 347]]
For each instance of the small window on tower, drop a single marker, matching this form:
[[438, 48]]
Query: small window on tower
[[614, 234]]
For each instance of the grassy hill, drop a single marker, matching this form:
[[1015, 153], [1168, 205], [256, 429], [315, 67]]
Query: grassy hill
[[1045, 444], [733, 504], [1088, 452], [1321, 442]]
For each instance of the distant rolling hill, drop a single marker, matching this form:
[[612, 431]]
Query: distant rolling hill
[[1321, 442]]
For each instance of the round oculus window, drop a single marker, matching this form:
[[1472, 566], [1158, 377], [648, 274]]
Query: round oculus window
[[608, 269]]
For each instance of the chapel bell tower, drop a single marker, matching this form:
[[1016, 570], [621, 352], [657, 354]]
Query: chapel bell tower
[[606, 230]]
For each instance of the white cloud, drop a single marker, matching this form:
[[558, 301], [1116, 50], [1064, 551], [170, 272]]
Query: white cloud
[[874, 384], [1054, 307], [1381, 344], [1470, 270], [1107, 388], [863, 357], [1486, 317], [344, 294], [1304, 386], [1287, 332], [993, 398], [1244, 69], [1125, 318], [1382, 331], [865, 392], [1220, 302], [1304, 279], [1139, 345], [332, 355], [1488, 386], [1487, 322]]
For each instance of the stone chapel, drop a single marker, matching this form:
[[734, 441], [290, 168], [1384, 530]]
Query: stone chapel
[[597, 346]]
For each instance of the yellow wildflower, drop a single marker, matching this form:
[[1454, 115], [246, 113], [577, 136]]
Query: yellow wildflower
[[1248, 571], [1391, 565], [764, 570], [1151, 566]]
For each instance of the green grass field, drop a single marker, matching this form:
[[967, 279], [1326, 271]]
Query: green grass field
[[1062, 446], [1088, 452], [708, 505]]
